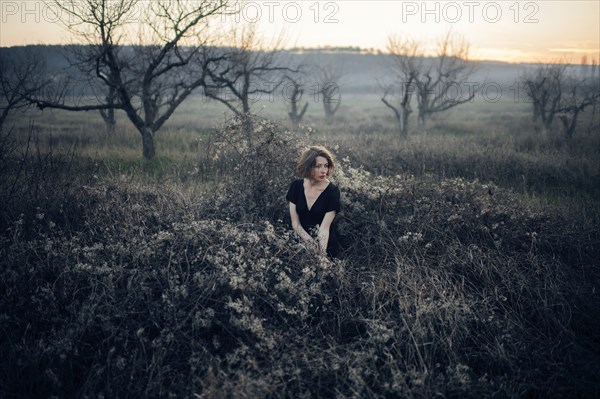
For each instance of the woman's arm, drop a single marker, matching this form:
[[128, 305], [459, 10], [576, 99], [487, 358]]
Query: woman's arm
[[297, 226], [324, 230]]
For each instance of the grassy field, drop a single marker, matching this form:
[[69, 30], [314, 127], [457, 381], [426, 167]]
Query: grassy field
[[492, 142], [469, 264]]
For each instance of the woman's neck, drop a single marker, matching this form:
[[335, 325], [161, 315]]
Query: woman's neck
[[312, 183]]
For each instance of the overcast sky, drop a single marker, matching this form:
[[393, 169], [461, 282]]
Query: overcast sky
[[514, 31]]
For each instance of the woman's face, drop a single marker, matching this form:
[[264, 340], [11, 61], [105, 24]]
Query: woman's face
[[320, 169]]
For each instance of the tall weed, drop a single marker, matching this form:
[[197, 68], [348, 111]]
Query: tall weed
[[445, 287]]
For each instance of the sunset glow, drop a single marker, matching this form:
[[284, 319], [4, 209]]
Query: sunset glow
[[513, 31]]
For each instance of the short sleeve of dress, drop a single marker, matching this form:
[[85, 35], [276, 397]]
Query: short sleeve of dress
[[333, 200], [292, 194]]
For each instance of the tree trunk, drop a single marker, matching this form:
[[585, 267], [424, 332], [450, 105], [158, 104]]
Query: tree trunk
[[422, 118], [405, 115], [569, 125], [330, 110], [401, 113], [111, 126], [109, 121], [3, 116], [147, 143], [248, 128]]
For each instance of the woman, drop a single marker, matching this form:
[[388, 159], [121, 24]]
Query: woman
[[314, 200]]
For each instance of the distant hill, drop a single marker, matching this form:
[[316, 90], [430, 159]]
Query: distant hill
[[361, 69]]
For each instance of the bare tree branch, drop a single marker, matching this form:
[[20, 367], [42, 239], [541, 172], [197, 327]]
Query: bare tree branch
[[451, 68], [544, 88], [21, 78], [148, 80], [294, 112], [404, 66], [429, 79], [556, 91], [329, 76], [247, 68]]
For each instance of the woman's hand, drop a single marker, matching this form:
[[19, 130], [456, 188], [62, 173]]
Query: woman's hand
[[324, 261], [323, 232], [312, 245]]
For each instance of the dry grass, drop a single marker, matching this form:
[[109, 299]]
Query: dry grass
[[152, 280]]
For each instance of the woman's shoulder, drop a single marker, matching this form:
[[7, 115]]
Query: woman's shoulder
[[332, 196], [296, 185], [333, 192], [331, 186]]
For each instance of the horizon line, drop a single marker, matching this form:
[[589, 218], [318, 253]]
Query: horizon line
[[334, 48]]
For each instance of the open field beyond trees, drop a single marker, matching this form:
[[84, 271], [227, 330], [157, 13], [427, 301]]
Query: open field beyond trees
[[470, 263]]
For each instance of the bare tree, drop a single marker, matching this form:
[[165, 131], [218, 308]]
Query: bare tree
[[578, 95], [449, 70], [247, 70], [294, 97], [402, 108], [437, 83], [83, 58], [404, 67], [544, 88], [20, 78], [557, 92], [329, 89], [152, 78]]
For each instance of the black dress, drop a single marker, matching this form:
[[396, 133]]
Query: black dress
[[328, 200]]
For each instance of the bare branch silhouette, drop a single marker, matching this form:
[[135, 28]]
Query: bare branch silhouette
[[329, 77], [20, 79], [148, 80], [556, 92], [404, 68], [431, 80], [295, 111], [451, 68], [248, 69]]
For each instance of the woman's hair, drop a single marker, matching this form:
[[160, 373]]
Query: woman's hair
[[307, 160]]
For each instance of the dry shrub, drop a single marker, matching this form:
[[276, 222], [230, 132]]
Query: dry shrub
[[147, 297], [36, 183], [548, 169], [261, 155], [463, 273], [448, 288]]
